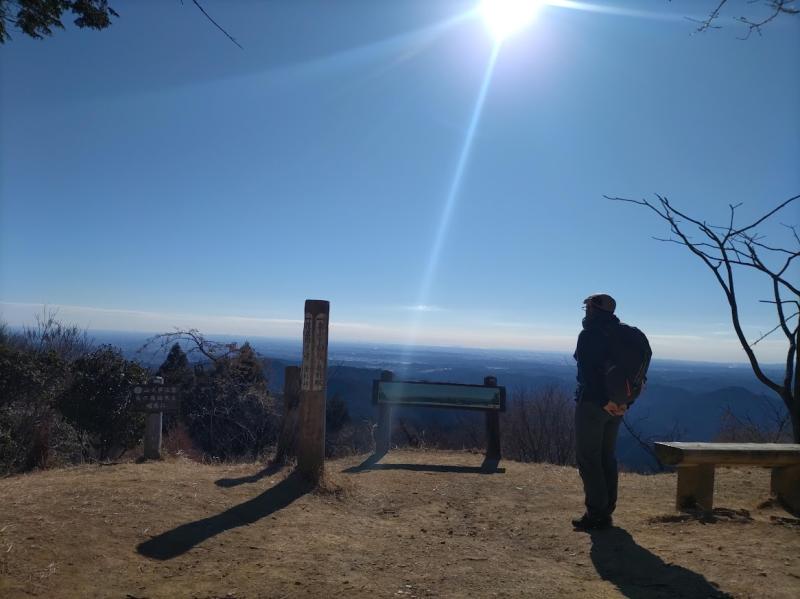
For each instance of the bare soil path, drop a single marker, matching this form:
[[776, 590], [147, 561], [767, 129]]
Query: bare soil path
[[419, 524]]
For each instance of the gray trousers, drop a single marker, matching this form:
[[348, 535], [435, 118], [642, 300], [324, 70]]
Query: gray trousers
[[596, 441]]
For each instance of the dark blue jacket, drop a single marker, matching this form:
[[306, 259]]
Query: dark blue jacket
[[592, 354]]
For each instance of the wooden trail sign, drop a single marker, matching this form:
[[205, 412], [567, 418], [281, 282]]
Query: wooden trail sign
[[155, 398]]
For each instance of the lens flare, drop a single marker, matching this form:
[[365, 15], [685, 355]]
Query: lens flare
[[506, 17]]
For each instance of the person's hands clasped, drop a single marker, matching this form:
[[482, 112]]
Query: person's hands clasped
[[615, 409]]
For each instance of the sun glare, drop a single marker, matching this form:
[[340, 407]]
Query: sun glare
[[506, 17]]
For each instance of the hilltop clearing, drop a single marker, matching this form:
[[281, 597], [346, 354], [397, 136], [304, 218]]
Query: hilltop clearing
[[420, 524]]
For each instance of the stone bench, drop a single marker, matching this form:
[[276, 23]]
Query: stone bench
[[489, 397], [696, 463]]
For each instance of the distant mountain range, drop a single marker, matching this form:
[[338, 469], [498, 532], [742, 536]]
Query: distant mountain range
[[685, 397]]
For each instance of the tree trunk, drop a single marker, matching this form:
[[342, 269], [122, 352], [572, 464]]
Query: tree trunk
[[794, 393]]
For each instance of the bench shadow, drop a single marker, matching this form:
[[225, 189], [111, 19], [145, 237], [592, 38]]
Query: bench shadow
[[181, 539], [270, 469], [489, 466], [641, 574]]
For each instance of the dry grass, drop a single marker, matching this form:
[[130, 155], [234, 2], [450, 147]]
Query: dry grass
[[420, 524]]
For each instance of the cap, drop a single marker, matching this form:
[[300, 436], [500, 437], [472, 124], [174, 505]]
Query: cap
[[601, 301]]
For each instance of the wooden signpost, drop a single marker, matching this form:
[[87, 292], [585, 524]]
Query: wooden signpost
[[313, 387], [154, 399]]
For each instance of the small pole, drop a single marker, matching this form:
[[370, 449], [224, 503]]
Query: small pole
[[152, 430], [384, 438], [313, 385], [492, 426], [291, 401]]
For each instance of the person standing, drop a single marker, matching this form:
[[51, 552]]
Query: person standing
[[597, 418]]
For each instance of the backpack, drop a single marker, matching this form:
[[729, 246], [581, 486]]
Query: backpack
[[625, 372]]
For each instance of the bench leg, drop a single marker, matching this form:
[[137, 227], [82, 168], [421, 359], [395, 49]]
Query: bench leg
[[785, 485], [492, 435], [384, 437], [695, 487]]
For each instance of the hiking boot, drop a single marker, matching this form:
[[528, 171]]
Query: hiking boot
[[587, 523]]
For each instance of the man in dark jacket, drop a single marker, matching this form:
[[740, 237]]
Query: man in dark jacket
[[597, 419]]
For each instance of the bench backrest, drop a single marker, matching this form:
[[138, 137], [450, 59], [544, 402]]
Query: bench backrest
[[744, 454], [439, 395]]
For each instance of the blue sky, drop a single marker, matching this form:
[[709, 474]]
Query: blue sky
[[155, 175]]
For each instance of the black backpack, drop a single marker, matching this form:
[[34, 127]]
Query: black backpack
[[625, 372]]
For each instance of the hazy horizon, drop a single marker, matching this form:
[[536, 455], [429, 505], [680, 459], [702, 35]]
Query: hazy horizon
[[293, 335]]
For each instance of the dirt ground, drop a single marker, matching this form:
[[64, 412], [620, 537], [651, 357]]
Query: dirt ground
[[417, 524]]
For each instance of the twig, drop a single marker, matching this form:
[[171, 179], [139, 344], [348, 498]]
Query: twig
[[217, 25]]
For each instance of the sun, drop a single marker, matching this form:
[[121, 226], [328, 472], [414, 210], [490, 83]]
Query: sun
[[506, 17]]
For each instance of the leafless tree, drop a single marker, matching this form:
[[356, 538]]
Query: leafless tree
[[634, 428], [230, 412], [772, 9], [728, 248], [195, 343], [539, 426], [49, 334], [736, 428]]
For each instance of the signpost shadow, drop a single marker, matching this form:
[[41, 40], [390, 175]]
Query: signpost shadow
[[253, 478], [489, 466], [181, 539]]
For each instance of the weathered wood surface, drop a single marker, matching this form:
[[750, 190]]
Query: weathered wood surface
[[493, 424], [785, 485], [313, 384], [695, 487], [383, 440], [696, 463], [735, 454], [152, 436]]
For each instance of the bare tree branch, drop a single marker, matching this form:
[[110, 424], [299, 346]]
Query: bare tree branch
[[779, 7], [217, 25], [723, 248], [775, 7]]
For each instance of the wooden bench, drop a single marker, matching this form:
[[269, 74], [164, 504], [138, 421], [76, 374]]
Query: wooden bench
[[489, 397], [696, 463]]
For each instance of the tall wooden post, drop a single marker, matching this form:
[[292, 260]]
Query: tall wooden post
[[492, 426], [152, 436], [313, 383], [384, 438], [152, 429], [287, 441]]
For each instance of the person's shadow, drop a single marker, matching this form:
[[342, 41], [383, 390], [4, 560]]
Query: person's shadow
[[640, 574], [179, 540]]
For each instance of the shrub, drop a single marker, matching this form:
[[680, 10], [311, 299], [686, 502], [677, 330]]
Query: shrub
[[98, 402]]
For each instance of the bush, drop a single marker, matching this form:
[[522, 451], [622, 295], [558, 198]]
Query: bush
[[540, 427], [230, 414], [30, 382], [98, 403]]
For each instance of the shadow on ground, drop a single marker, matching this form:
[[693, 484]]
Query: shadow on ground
[[641, 574], [179, 540], [489, 466], [253, 478], [718, 514]]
